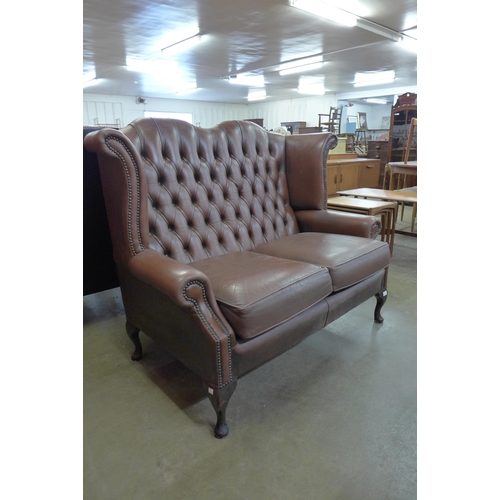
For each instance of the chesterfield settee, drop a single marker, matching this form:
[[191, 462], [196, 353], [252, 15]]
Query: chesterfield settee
[[225, 251]]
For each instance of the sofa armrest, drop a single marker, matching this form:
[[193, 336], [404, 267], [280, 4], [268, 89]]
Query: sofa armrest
[[330, 221], [172, 292], [166, 275], [176, 280]]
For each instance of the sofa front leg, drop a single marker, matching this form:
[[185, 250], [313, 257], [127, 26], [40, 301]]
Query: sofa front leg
[[133, 333], [381, 298], [219, 397]]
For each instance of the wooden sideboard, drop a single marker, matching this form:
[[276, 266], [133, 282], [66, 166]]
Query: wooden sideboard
[[355, 173]]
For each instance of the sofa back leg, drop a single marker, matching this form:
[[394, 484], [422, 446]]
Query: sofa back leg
[[133, 333], [219, 397]]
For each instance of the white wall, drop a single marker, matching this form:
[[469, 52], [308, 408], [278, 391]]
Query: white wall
[[107, 109]]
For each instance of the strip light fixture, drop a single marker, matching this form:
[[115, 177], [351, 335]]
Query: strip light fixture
[[325, 10], [256, 95], [311, 88], [374, 78], [299, 66], [376, 101]]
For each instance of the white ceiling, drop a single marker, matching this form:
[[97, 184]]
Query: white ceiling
[[241, 36]]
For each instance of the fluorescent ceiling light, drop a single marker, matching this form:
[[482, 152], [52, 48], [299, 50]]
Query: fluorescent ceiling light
[[325, 10], [374, 78], [312, 89], [379, 30], [376, 101], [256, 95], [182, 45], [374, 82], [307, 64], [249, 80]]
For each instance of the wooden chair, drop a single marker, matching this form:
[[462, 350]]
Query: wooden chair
[[333, 123], [413, 124]]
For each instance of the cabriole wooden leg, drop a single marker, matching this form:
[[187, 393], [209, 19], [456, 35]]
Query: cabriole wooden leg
[[381, 298], [133, 333], [219, 397]]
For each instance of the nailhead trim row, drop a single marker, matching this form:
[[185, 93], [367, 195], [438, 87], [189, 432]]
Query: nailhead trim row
[[209, 328], [129, 188]]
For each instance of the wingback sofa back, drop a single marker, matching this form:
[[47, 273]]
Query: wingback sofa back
[[224, 248], [206, 192]]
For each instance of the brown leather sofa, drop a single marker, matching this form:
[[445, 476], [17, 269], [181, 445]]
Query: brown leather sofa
[[224, 248]]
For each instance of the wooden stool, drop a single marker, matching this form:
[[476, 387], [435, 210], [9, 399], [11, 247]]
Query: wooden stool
[[385, 209]]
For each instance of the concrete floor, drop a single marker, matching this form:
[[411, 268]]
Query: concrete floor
[[334, 418]]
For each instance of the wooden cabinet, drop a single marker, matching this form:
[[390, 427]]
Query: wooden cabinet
[[352, 174], [369, 173], [378, 150]]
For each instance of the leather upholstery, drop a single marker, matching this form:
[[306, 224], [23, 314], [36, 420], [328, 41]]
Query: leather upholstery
[[225, 251], [257, 292], [213, 191], [349, 259]]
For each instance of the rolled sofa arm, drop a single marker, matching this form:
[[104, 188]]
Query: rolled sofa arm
[[166, 275], [330, 221], [176, 280], [204, 339]]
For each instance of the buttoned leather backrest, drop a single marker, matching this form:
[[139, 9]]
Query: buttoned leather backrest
[[212, 191]]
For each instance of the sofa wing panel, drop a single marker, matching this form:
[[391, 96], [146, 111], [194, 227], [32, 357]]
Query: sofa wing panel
[[124, 189], [306, 156], [329, 221]]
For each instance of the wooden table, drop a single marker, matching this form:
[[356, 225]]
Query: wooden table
[[399, 168], [385, 194], [387, 211]]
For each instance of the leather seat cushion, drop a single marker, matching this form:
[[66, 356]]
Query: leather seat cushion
[[257, 292], [349, 259]]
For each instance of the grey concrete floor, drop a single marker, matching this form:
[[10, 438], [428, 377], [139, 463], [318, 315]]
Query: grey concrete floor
[[334, 418]]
